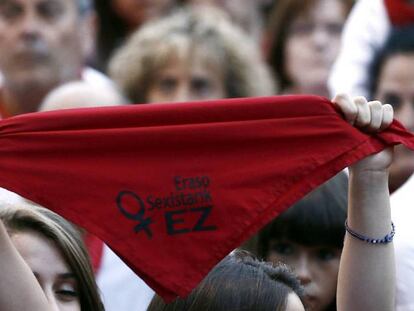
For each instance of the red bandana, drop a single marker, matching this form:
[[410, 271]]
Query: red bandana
[[400, 12], [174, 188]]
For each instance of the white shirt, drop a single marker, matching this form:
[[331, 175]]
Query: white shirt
[[402, 211], [365, 32]]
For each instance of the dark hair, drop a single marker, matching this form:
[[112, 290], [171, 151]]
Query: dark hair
[[283, 14], [317, 219], [238, 282], [113, 30], [399, 41]]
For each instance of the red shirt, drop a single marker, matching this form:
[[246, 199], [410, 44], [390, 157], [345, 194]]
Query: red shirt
[[400, 12]]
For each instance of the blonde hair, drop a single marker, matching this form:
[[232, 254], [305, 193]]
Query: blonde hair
[[136, 63], [67, 239]]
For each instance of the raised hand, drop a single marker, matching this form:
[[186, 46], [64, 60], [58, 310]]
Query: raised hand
[[370, 117], [366, 278]]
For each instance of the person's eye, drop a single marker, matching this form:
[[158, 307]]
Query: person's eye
[[334, 28], [393, 99], [67, 292], [201, 86], [10, 11], [303, 28], [50, 10], [326, 254], [167, 85], [283, 248]]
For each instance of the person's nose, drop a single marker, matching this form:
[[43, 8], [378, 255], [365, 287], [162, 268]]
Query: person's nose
[[183, 93], [320, 37], [30, 26], [302, 270]]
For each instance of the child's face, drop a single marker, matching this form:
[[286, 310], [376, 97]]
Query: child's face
[[316, 267], [189, 79]]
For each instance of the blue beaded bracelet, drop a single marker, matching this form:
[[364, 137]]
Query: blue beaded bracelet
[[385, 240]]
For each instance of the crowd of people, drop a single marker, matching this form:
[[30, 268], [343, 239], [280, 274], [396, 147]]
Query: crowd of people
[[331, 250]]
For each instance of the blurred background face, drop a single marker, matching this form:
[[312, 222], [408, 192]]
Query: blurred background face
[[315, 266], [312, 44], [396, 87], [40, 40], [136, 12], [190, 78], [53, 274]]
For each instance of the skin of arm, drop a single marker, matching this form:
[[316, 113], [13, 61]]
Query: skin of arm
[[366, 278], [19, 289]]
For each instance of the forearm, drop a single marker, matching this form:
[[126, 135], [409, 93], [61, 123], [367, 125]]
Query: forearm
[[366, 276], [369, 208], [19, 289]]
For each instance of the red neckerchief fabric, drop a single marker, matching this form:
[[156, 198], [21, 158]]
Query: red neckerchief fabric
[[95, 249], [400, 12], [174, 188]]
